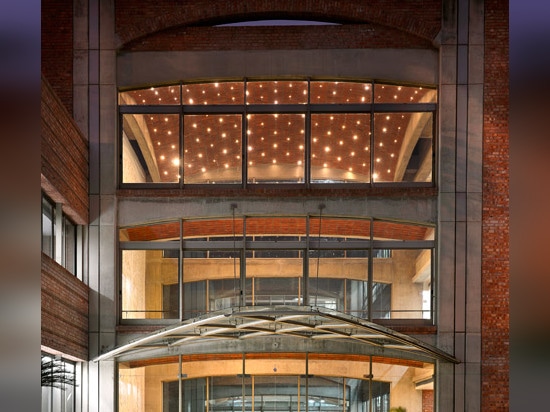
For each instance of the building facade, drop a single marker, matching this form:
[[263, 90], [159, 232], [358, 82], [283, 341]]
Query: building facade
[[283, 205]]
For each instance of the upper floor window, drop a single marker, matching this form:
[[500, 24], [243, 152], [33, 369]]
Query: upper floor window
[[59, 235], [372, 269], [292, 132]]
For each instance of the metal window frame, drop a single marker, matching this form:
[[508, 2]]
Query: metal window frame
[[308, 109]]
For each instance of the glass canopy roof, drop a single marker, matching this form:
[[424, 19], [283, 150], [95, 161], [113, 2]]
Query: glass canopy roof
[[304, 322]]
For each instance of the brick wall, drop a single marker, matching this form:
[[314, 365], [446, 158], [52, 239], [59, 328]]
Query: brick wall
[[495, 219], [56, 28], [289, 38], [64, 157], [64, 319], [427, 400], [281, 226], [136, 20]]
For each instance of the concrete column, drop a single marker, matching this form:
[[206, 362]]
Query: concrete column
[[94, 92], [461, 101]]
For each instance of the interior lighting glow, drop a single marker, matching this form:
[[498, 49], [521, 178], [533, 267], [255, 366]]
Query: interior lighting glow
[[176, 162]]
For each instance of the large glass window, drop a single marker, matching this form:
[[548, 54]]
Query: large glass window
[[303, 132], [275, 382], [368, 268]]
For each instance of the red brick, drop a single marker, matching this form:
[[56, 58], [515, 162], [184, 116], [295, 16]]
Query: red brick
[[495, 218]]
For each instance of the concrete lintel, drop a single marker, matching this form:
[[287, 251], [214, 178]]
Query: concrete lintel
[[407, 65], [135, 211]]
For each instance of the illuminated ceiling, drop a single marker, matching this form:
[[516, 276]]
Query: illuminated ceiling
[[276, 140]]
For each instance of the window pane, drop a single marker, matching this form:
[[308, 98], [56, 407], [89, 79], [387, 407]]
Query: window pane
[[408, 273], [225, 293], [213, 229], [339, 229], [146, 276], [340, 148], [150, 148], [155, 231], [276, 92], [151, 96], [69, 240], [139, 387], [383, 230], [328, 293], [47, 228], [340, 92], [213, 93], [403, 144], [212, 148], [276, 148], [276, 226], [387, 93]]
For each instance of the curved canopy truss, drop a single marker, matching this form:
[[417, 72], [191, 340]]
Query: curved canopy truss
[[248, 323]]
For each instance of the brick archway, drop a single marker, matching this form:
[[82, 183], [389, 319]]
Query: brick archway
[[413, 18]]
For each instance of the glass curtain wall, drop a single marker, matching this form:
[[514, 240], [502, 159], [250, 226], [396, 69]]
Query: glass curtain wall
[[275, 384], [367, 268], [301, 132]]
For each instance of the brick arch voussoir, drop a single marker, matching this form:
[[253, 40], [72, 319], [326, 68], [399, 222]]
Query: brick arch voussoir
[[168, 14]]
